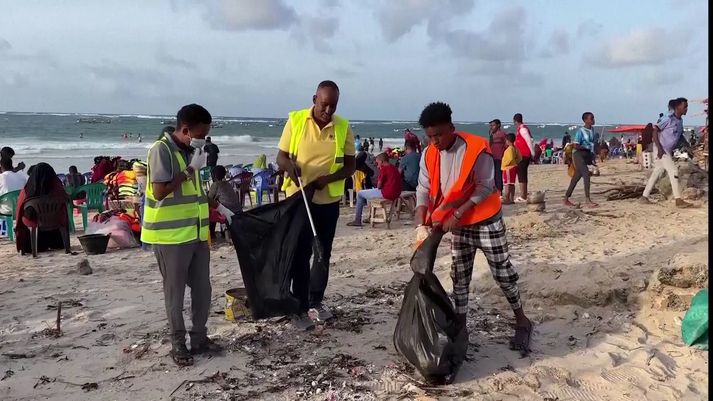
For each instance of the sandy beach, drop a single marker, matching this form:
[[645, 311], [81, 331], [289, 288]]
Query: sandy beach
[[607, 289]]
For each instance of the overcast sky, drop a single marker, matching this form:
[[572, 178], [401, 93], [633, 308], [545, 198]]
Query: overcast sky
[[550, 60]]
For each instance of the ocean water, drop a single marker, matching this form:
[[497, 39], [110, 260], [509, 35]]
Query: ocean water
[[55, 138]]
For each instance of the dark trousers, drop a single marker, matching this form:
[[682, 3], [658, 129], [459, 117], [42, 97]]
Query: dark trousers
[[498, 175], [308, 285], [580, 159]]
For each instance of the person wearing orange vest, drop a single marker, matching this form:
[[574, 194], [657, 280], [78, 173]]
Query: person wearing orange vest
[[456, 192]]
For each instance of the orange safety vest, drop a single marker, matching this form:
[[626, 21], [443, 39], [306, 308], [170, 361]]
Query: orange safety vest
[[440, 207]]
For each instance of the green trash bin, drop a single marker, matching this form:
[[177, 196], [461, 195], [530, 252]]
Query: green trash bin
[[694, 328]]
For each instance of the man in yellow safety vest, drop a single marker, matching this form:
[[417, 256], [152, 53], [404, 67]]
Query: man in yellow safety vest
[[318, 147], [175, 223]]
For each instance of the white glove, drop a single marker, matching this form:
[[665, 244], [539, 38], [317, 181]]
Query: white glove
[[227, 213], [198, 160], [422, 232]]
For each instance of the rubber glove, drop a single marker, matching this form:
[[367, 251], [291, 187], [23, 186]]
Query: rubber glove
[[422, 232], [198, 160], [227, 213]]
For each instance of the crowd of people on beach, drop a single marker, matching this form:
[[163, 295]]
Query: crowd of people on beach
[[460, 182]]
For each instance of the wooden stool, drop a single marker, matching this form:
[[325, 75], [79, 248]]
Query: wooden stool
[[379, 213], [407, 200]]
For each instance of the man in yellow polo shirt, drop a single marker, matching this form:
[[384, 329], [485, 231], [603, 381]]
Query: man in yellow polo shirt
[[318, 147]]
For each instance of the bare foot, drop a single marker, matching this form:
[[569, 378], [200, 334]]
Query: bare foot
[[590, 205], [568, 203]]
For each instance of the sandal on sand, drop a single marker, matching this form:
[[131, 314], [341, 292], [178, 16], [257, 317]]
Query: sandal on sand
[[181, 356], [521, 339], [354, 224]]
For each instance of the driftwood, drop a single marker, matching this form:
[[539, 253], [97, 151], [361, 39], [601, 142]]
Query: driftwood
[[623, 192]]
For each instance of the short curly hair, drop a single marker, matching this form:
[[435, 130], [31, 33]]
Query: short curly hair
[[434, 114]]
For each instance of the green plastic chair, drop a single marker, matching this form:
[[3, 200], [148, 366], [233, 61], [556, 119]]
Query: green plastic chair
[[10, 198], [94, 201]]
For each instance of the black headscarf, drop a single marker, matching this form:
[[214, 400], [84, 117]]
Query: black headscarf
[[42, 181]]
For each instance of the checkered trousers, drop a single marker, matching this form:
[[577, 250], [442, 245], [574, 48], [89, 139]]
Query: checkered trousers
[[491, 239]]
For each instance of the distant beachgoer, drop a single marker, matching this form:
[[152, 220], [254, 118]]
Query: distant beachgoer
[[409, 166], [388, 186], [472, 213], [581, 157], [221, 191], [81, 135], [212, 150], [74, 179], [8, 153], [371, 143], [42, 182], [10, 181], [409, 136], [361, 165], [526, 146], [102, 167], [497, 147], [603, 150], [666, 135], [508, 165], [365, 145], [357, 141], [381, 144], [566, 138], [140, 138]]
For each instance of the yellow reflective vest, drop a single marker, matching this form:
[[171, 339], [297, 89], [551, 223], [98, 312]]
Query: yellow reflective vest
[[182, 216], [298, 119]]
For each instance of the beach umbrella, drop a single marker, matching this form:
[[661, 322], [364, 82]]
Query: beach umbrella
[[628, 129]]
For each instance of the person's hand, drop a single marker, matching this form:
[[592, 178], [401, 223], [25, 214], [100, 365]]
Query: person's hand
[[321, 182], [227, 213], [422, 232], [21, 165], [660, 153], [293, 172], [198, 160], [450, 224]]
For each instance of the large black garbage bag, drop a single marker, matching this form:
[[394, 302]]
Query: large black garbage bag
[[428, 333], [266, 240]]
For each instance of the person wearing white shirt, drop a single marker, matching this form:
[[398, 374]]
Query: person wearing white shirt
[[10, 181]]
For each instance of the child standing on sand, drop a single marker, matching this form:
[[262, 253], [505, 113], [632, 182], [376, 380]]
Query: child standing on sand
[[511, 157]]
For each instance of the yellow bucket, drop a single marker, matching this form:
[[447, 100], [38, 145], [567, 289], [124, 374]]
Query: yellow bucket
[[236, 304]]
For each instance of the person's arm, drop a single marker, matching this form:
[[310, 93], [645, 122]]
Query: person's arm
[[20, 167], [163, 180], [162, 189], [655, 137], [422, 193], [483, 176]]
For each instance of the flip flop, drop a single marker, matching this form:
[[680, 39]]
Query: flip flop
[[521, 339], [181, 356]]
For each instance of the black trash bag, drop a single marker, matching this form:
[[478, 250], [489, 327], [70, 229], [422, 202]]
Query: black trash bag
[[428, 333], [266, 240]]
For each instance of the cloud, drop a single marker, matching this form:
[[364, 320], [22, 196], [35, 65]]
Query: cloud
[[650, 46], [398, 17], [589, 28], [165, 58], [318, 31], [244, 15], [4, 45], [660, 77], [558, 44]]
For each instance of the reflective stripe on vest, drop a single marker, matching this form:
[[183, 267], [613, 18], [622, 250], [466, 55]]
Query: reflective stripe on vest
[[182, 216], [298, 119], [441, 207]]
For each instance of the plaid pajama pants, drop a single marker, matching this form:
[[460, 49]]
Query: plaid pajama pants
[[491, 239]]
